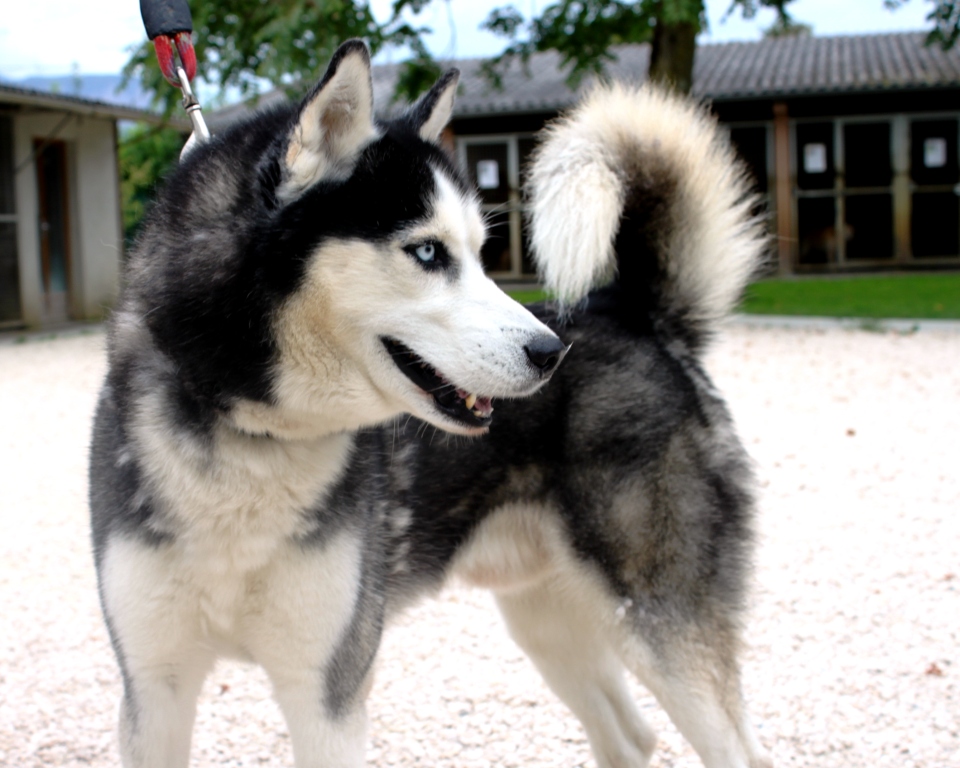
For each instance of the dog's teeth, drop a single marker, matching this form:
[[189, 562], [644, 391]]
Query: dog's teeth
[[470, 401]]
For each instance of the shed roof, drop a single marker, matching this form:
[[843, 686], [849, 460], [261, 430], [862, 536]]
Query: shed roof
[[812, 65], [17, 96]]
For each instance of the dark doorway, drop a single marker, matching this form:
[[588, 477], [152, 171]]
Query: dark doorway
[[54, 227]]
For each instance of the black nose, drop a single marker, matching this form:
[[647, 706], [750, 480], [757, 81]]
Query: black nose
[[545, 352]]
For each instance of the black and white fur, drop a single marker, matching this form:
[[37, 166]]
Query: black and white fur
[[312, 275]]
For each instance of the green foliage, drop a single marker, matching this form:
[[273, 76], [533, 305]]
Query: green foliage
[[146, 155], [528, 297], [788, 28], [945, 18], [583, 31], [881, 296]]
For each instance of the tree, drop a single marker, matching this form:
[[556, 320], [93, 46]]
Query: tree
[[583, 31], [244, 44], [788, 28], [146, 155]]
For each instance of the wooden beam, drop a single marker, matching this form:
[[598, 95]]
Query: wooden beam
[[786, 247]]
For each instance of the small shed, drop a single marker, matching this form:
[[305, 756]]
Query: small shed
[[61, 242]]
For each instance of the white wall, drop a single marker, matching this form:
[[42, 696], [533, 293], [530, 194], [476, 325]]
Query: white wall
[[96, 240]]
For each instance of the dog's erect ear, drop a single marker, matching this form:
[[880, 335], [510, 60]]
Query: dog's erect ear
[[432, 112], [335, 121]]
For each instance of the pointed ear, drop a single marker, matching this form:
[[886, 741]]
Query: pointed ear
[[334, 123], [432, 112]]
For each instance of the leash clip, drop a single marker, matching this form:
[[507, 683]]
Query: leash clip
[[200, 131]]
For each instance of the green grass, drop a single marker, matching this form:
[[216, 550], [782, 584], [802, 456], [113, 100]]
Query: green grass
[[929, 296], [527, 297], [878, 296]]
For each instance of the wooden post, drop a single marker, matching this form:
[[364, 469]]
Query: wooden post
[[783, 193], [902, 203]]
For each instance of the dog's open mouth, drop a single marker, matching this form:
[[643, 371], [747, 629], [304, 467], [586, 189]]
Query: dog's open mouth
[[466, 407]]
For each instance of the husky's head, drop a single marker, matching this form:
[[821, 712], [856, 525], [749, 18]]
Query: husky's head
[[359, 261]]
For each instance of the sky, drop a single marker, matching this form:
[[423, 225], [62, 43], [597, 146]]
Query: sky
[[56, 37]]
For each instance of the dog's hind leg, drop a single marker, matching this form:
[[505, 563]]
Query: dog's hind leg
[[562, 632], [694, 675]]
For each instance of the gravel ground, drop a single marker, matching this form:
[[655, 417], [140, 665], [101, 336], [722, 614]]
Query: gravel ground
[[854, 630]]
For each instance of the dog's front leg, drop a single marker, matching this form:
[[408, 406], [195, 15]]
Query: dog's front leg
[[153, 617], [158, 710], [321, 738], [315, 630]]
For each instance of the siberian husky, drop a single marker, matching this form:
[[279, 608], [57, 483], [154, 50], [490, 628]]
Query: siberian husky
[[307, 297]]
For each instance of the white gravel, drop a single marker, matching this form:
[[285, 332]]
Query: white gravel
[[854, 632]]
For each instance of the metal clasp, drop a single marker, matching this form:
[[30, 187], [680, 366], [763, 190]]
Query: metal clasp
[[200, 131]]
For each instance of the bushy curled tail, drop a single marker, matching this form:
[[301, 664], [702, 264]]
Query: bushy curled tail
[[640, 188]]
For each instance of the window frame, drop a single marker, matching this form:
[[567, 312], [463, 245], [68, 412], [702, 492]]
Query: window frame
[[901, 188], [515, 207]]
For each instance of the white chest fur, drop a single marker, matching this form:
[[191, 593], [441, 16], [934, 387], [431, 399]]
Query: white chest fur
[[232, 499]]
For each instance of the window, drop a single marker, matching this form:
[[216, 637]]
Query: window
[[934, 228], [496, 165], [814, 158], [751, 144], [867, 158], [815, 145], [933, 152], [868, 227], [935, 222], [817, 223], [867, 178], [845, 191]]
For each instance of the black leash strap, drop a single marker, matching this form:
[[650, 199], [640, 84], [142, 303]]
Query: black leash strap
[[165, 17]]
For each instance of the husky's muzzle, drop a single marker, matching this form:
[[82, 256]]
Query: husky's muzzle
[[544, 354]]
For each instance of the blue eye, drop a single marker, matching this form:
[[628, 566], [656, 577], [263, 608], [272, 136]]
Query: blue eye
[[430, 255]]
